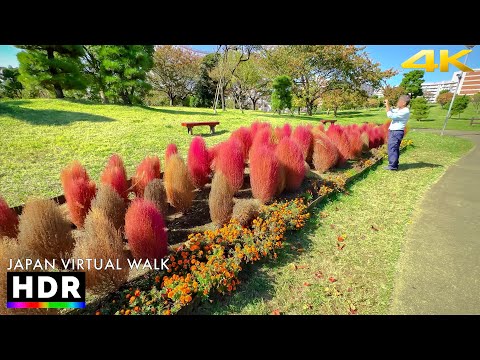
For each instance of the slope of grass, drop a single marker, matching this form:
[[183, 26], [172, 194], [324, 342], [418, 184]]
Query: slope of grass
[[344, 260], [39, 137]]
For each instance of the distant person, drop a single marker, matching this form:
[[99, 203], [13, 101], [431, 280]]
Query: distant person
[[399, 116]]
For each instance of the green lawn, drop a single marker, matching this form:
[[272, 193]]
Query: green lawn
[[39, 137], [372, 219]]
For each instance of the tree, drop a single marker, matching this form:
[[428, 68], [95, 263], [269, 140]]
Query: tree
[[251, 77], [174, 71], [476, 102], [282, 93], [204, 91], [124, 69], [10, 87], [318, 69], [412, 83], [419, 107], [392, 93], [459, 105], [93, 70], [54, 67], [444, 98], [342, 98], [373, 102]]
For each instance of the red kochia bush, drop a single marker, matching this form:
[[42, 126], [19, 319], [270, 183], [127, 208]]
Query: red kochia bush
[[230, 162], [145, 230], [263, 138], [116, 176], [78, 190], [284, 131], [147, 170], [264, 172], [291, 158], [356, 144], [170, 150], [198, 162], [303, 137], [8, 220], [325, 153], [339, 138], [245, 137], [257, 126]]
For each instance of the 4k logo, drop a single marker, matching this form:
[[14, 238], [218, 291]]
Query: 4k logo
[[430, 65]]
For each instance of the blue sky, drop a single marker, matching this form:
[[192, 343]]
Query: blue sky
[[389, 56]]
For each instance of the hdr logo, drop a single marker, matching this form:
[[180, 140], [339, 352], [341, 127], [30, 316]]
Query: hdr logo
[[46, 290], [445, 60]]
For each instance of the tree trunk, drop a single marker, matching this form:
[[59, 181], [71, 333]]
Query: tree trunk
[[58, 91], [309, 108], [58, 88], [125, 98], [171, 99], [222, 90], [103, 97], [254, 103], [298, 110]]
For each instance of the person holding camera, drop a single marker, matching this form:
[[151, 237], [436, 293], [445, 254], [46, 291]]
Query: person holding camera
[[399, 117]]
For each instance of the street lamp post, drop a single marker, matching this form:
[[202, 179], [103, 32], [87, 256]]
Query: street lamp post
[[456, 89]]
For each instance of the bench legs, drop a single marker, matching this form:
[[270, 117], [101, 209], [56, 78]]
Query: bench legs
[[212, 129], [190, 130]]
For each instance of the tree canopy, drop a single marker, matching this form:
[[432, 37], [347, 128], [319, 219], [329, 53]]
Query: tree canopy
[[10, 86], [412, 83], [282, 93]]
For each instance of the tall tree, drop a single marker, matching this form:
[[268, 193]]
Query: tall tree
[[318, 69], [205, 86], [460, 104], [412, 83], [392, 93], [9, 85], [419, 107], [174, 71], [282, 93], [343, 98], [54, 67], [93, 70], [444, 98], [124, 69], [250, 77]]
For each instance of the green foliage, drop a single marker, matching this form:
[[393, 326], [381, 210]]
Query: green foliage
[[420, 108], [444, 98], [124, 68], [282, 93], [476, 102], [412, 83], [392, 93], [205, 87], [10, 87], [53, 67], [459, 105], [444, 91]]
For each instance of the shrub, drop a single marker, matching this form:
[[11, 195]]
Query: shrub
[[245, 137], [231, 163], [325, 154], [257, 126], [101, 240], [291, 158], [339, 138], [212, 154], [198, 162], [145, 229], [112, 205], [79, 191], [178, 186], [147, 170], [156, 193], [245, 210], [316, 130], [303, 137], [8, 220], [44, 231], [282, 179], [170, 150], [116, 176], [283, 131], [263, 138], [220, 200], [356, 144], [365, 141], [264, 173]]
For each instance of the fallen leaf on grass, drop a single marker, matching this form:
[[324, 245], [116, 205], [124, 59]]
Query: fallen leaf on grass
[[307, 284], [332, 279], [340, 246], [374, 228], [349, 289], [341, 238], [302, 267], [352, 310], [307, 307], [319, 274], [275, 312], [323, 214]]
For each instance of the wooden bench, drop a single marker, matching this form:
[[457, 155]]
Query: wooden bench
[[323, 121], [475, 121], [191, 125]]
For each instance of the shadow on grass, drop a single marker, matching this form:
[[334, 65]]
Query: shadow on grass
[[417, 165], [177, 111], [46, 117], [220, 132]]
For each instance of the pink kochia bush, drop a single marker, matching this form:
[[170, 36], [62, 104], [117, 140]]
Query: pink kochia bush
[[8, 220], [170, 150], [263, 138], [291, 158], [264, 172], [325, 153], [147, 170], [145, 230], [116, 176], [339, 138], [303, 137], [244, 135], [198, 162], [284, 131], [78, 190], [353, 134], [229, 160]]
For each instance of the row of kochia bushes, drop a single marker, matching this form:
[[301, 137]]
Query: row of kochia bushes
[[278, 159]]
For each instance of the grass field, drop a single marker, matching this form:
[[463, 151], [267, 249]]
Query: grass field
[[40, 137], [318, 274]]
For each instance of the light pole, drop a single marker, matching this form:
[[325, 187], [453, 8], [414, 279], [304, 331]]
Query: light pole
[[456, 89]]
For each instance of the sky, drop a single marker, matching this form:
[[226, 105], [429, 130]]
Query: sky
[[389, 56]]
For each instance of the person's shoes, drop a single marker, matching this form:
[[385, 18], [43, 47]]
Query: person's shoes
[[390, 168]]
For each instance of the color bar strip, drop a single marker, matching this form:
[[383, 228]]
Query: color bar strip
[[46, 305]]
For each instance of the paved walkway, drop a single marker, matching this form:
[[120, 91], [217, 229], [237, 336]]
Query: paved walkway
[[439, 269]]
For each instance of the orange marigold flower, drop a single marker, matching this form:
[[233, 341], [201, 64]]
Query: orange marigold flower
[[157, 279], [127, 312], [98, 312], [167, 312], [128, 296], [137, 292], [188, 298], [132, 299], [136, 308]]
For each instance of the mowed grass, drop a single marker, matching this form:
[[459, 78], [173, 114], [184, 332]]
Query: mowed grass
[[318, 274], [40, 137]]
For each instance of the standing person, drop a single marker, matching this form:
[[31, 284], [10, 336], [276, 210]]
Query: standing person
[[399, 117]]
